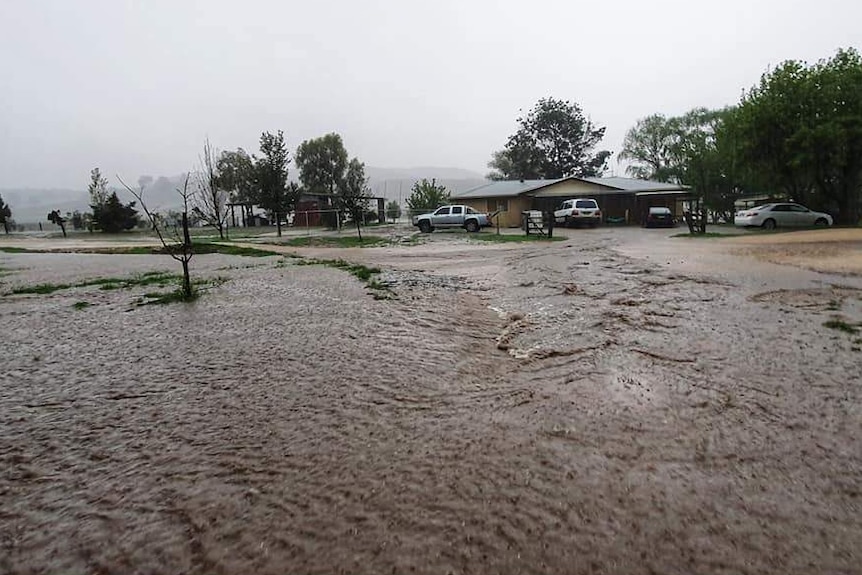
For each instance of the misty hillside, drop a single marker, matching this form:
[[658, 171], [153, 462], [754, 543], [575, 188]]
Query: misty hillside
[[33, 205]]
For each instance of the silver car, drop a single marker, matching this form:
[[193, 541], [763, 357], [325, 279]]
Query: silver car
[[771, 216], [452, 216]]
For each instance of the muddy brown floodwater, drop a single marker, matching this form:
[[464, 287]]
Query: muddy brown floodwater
[[620, 402]]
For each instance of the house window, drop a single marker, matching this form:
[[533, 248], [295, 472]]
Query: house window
[[502, 205]]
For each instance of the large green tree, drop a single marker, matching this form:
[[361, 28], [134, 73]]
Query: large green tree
[[5, 214], [322, 164], [98, 189], [353, 193], [113, 216], [699, 149], [275, 195], [237, 176], [426, 196], [554, 140], [801, 131], [649, 147]]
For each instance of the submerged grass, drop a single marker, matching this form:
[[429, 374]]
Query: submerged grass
[[336, 241], [149, 278], [699, 236], [362, 272], [15, 250], [512, 238], [841, 325], [199, 248]]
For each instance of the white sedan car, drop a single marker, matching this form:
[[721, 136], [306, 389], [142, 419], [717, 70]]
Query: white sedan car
[[771, 216]]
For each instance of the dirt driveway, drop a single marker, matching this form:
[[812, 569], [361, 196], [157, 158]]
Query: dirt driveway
[[620, 402]]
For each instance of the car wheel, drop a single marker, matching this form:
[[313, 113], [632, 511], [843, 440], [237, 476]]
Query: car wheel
[[821, 223], [425, 227], [472, 226], [769, 224]]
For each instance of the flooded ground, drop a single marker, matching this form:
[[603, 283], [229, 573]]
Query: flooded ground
[[620, 401]]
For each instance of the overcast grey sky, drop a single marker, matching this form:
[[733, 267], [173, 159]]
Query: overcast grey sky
[[135, 87]]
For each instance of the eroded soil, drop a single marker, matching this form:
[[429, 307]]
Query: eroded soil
[[618, 402]]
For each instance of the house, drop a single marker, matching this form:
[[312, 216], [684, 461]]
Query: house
[[621, 199]]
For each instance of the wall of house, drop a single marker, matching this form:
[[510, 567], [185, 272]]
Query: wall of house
[[510, 216]]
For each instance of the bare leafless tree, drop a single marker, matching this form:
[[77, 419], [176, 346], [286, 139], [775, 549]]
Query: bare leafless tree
[[210, 201], [174, 236]]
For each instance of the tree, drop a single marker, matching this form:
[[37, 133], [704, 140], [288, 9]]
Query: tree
[[174, 235], [353, 193], [98, 189], [554, 140], [322, 164], [5, 214], [56, 219], [426, 196], [114, 217], [801, 132], [393, 210], [79, 220], [237, 176], [650, 144], [270, 170], [209, 198], [109, 215], [699, 149]]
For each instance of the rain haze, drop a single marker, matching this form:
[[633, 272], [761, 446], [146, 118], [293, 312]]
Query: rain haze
[[136, 87]]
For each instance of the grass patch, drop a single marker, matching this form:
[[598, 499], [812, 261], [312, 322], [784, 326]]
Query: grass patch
[[336, 241], [82, 305], [14, 250], [231, 250], [149, 278], [841, 325], [41, 289], [363, 273], [698, 236], [512, 238], [200, 248]]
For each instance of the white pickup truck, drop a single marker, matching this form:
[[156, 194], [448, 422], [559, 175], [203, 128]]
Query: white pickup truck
[[453, 216], [581, 211]]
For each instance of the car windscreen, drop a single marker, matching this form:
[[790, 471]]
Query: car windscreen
[[586, 205]]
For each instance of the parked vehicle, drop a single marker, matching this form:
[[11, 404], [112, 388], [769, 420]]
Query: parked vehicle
[[659, 217], [452, 216], [574, 212], [771, 216]]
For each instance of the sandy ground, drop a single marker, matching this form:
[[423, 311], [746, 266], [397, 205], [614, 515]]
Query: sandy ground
[[837, 251], [618, 402]]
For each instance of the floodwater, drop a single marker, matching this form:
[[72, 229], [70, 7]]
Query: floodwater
[[616, 402]]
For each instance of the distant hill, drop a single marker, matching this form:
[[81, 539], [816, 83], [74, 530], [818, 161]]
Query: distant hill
[[33, 205], [395, 183]]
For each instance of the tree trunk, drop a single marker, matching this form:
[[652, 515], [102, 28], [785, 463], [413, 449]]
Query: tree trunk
[[187, 240], [187, 280], [187, 249], [63, 228], [6, 226], [358, 230], [278, 223]]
